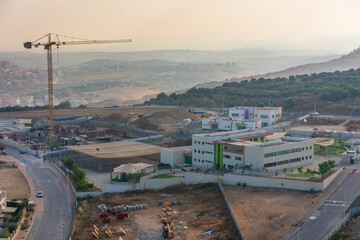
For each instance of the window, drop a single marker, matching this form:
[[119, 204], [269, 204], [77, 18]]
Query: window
[[270, 164], [202, 152], [202, 161], [303, 149], [306, 157], [264, 116], [270, 154], [302, 158], [282, 162], [208, 161], [195, 142], [225, 147], [227, 156], [295, 150], [310, 147], [238, 158], [273, 116], [202, 143], [208, 143], [310, 156], [306, 148], [235, 115], [208, 152], [295, 160], [195, 151]]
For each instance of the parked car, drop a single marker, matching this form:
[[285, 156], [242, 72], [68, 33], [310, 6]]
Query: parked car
[[314, 114], [39, 194], [4, 153], [22, 151]]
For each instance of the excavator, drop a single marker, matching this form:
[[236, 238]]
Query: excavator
[[167, 232]]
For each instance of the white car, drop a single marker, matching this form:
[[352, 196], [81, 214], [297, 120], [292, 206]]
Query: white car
[[314, 114], [39, 194]]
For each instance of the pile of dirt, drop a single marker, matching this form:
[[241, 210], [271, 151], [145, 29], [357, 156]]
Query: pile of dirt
[[171, 116], [353, 126], [157, 119]]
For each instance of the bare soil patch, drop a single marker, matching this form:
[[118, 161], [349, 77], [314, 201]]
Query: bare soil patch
[[201, 208], [268, 213], [14, 182]]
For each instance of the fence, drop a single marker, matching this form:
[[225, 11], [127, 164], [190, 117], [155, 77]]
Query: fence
[[230, 209], [350, 212]]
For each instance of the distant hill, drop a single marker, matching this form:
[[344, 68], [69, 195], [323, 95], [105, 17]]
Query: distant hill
[[259, 61], [334, 92], [112, 82], [346, 62]]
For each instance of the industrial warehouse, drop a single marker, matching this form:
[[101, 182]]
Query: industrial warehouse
[[105, 157]]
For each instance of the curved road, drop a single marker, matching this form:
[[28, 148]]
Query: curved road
[[54, 222]]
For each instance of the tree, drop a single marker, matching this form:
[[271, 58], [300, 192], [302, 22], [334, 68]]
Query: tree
[[289, 103], [6, 233], [2, 147], [64, 105], [82, 106]]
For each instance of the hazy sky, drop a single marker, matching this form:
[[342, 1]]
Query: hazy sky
[[185, 24]]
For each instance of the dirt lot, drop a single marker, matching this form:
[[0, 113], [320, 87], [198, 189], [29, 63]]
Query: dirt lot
[[201, 208], [321, 124], [14, 182], [82, 112], [268, 213]]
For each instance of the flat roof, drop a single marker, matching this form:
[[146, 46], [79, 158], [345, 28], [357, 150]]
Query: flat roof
[[120, 149]]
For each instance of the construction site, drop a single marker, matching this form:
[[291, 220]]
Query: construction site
[[181, 212]]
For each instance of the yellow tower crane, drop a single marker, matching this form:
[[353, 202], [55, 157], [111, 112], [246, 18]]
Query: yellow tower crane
[[48, 46]]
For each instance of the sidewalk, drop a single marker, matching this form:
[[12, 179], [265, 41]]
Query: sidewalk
[[37, 201]]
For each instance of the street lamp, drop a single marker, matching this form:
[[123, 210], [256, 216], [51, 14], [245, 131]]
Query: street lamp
[[343, 189], [97, 151]]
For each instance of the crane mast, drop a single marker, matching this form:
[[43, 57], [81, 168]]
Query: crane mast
[[48, 46]]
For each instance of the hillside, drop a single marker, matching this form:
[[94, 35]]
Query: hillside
[[345, 62], [334, 92], [109, 82]]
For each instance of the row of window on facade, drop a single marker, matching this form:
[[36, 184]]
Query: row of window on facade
[[203, 152], [272, 164], [198, 142], [202, 161], [294, 150], [261, 116]]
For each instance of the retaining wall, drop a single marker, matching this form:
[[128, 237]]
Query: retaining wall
[[301, 185], [230, 209]]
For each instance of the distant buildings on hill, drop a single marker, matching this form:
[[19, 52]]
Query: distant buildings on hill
[[244, 118]]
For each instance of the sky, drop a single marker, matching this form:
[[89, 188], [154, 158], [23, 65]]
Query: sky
[[331, 25]]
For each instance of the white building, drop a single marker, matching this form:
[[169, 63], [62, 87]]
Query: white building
[[244, 118], [176, 156], [2, 199], [267, 115], [257, 149], [229, 124]]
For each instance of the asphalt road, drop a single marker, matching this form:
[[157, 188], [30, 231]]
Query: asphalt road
[[332, 210], [54, 222]]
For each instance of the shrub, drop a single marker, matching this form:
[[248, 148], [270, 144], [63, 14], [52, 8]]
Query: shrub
[[6, 233]]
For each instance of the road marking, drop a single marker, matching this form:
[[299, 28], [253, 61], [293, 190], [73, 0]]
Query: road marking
[[335, 205], [337, 201], [312, 218]]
